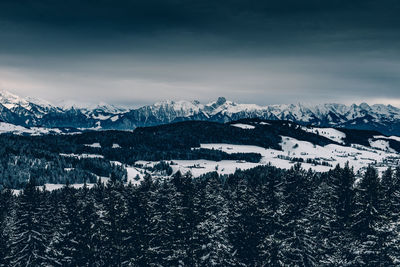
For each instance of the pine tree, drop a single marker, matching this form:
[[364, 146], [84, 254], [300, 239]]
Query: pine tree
[[297, 247], [6, 216], [215, 248], [64, 245], [269, 208], [114, 224], [87, 220], [185, 223], [133, 237], [390, 206], [340, 184], [369, 223], [99, 194], [29, 243], [245, 233], [142, 220], [165, 244], [320, 216]]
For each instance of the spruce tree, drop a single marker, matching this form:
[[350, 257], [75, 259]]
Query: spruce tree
[[216, 248], [369, 226], [269, 207], [7, 215], [297, 247], [29, 242]]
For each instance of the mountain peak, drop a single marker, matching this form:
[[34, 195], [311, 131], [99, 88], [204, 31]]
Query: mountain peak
[[365, 106], [9, 99], [221, 100]]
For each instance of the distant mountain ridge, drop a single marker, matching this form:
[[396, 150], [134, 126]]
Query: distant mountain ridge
[[30, 112]]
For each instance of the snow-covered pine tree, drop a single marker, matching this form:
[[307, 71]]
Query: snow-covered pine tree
[[341, 195], [319, 217], [297, 246], [65, 245], [114, 223], [98, 194], [212, 231], [269, 204], [87, 221], [7, 215], [369, 226], [165, 244], [29, 242], [132, 242], [244, 223], [186, 221], [142, 222], [390, 206]]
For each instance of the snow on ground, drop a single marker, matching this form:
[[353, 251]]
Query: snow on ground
[[381, 144], [97, 145], [330, 133], [243, 126], [82, 155], [16, 192], [357, 156], [134, 174], [51, 187], [395, 138], [19, 130], [101, 117], [116, 146], [200, 167]]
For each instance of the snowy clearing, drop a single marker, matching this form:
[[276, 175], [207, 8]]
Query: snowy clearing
[[395, 138], [96, 145], [20, 130], [200, 167], [330, 133], [381, 144], [243, 126], [82, 155], [358, 156]]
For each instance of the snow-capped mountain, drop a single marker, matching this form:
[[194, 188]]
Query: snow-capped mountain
[[30, 112]]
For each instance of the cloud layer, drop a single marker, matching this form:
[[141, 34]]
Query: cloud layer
[[136, 52]]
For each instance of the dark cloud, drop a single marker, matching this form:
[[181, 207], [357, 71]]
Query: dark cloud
[[255, 51]]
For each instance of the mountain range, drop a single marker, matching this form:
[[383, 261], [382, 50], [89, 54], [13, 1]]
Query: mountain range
[[30, 112]]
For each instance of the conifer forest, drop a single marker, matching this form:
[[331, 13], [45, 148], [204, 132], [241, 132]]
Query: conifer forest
[[260, 217]]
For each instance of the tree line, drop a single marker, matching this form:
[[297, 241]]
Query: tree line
[[259, 217]]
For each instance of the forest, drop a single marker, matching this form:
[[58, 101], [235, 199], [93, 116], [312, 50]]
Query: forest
[[55, 158], [260, 217]]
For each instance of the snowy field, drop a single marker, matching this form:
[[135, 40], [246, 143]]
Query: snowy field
[[395, 138], [200, 167], [320, 158], [243, 126], [20, 130], [330, 133], [79, 156], [358, 156]]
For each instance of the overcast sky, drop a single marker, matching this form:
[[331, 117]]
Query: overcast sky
[[135, 52]]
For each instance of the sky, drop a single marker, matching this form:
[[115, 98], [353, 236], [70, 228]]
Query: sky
[[131, 52]]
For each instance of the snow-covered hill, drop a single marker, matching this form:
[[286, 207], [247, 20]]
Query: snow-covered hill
[[30, 112]]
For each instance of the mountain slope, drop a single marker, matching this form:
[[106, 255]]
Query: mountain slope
[[32, 113]]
